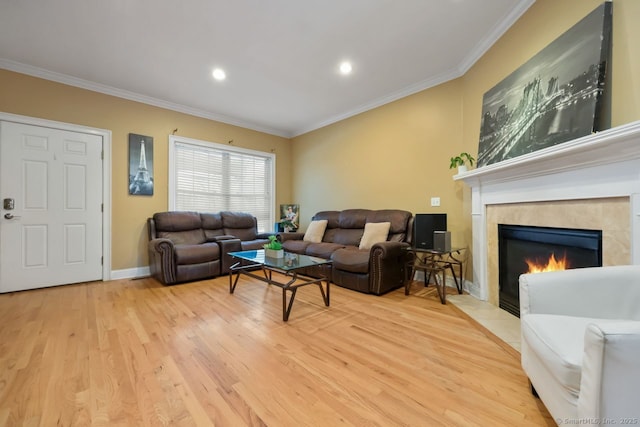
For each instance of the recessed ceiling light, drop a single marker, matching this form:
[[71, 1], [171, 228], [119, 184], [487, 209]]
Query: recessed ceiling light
[[345, 68], [219, 74]]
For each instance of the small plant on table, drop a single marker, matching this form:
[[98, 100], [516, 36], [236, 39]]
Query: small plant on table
[[273, 249], [274, 244]]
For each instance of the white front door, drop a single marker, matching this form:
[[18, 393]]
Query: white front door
[[52, 235]]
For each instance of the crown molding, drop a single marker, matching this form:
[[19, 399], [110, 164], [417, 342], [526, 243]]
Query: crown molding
[[394, 96], [498, 31], [132, 96], [459, 71], [481, 48]]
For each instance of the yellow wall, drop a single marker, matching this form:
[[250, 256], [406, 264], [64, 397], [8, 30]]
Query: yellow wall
[[397, 156], [35, 97]]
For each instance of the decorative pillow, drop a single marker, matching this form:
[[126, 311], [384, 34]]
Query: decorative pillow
[[315, 231], [374, 232]]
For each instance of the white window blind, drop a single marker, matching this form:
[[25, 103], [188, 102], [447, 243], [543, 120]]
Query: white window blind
[[210, 177]]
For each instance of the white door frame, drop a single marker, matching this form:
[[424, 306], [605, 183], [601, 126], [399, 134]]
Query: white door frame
[[106, 174]]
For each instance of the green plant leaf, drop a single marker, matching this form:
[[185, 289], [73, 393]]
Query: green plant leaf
[[274, 243], [461, 160]]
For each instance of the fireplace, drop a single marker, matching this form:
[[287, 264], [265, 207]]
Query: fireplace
[[590, 183], [531, 249]]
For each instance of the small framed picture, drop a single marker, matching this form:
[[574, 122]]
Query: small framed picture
[[140, 165], [289, 217]]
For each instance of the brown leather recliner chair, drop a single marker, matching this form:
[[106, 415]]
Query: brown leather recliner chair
[[187, 246]]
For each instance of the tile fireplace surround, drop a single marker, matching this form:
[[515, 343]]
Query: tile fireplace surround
[[592, 183]]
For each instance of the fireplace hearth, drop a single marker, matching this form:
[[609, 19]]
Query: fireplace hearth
[[529, 249]]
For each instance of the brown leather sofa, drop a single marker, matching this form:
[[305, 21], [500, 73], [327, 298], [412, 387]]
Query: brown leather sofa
[[186, 246], [377, 270]]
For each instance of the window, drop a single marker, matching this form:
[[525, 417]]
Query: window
[[210, 177]]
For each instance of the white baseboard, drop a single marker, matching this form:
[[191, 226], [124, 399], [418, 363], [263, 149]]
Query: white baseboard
[[473, 289], [130, 273]]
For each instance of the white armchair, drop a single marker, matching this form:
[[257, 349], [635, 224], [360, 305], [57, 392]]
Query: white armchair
[[580, 343]]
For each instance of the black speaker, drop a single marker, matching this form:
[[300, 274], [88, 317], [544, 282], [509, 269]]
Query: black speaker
[[423, 227]]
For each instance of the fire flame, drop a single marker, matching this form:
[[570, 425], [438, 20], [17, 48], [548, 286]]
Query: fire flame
[[552, 264]]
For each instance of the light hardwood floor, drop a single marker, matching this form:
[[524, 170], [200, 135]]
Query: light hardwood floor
[[134, 352]]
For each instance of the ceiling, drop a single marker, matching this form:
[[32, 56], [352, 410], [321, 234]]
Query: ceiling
[[281, 57]]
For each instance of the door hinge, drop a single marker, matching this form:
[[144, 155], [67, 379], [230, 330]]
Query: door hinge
[[101, 260], [102, 155]]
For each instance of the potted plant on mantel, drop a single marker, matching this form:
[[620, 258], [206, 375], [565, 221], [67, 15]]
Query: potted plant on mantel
[[273, 249], [461, 160]]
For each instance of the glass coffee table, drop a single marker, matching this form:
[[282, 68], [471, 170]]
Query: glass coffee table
[[251, 262]]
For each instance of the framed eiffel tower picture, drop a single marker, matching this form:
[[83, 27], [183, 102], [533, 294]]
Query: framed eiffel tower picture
[[140, 165]]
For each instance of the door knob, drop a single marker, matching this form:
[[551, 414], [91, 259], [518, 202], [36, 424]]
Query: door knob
[[9, 216]]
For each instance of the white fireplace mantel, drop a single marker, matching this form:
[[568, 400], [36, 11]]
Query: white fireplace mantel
[[604, 164]]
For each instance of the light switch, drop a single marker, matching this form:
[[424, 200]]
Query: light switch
[[435, 201]]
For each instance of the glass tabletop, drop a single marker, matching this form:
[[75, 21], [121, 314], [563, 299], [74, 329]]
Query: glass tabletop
[[289, 261]]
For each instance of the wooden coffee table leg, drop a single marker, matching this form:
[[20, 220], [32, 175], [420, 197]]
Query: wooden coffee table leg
[[325, 295], [233, 280], [286, 308]]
